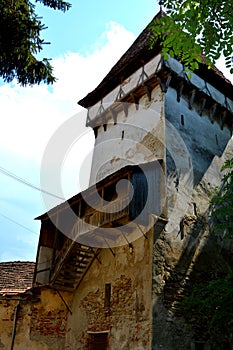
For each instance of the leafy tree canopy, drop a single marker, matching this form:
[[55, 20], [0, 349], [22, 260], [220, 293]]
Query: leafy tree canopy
[[20, 41], [193, 27]]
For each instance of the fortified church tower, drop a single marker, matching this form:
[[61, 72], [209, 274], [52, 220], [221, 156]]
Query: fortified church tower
[[139, 238]]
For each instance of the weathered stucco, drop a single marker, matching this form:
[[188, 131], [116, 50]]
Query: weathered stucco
[[136, 138], [40, 321], [131, 294], [187, 253], [128, 317]]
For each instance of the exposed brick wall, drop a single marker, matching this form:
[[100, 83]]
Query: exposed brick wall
[[40, 322], [48, 320], [49, 325], [126, 311]]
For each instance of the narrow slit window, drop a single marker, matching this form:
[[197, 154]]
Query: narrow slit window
[[182, 119], [107, 298]]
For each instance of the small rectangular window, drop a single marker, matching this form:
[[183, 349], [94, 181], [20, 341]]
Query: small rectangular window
[[107, 298], [199, 345], [98, 341]]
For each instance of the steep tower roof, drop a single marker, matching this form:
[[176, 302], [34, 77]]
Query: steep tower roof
[[139, 54]]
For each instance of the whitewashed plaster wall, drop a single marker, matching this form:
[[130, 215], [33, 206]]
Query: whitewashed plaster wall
[[136, 138]]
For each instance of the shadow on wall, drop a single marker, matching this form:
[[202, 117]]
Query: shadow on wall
[[175, 275]]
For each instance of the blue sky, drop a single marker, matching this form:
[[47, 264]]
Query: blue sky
[[81, 27], [85, 44]]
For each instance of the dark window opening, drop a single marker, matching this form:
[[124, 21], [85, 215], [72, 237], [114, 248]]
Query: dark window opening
[[107, 298], [98, 341], [182, 119], [199, 345]]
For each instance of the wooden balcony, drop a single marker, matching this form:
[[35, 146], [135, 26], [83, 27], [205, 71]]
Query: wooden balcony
[[74, 259], [105, 215]]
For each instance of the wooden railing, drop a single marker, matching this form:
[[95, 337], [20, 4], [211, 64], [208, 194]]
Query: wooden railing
[[108, 214]]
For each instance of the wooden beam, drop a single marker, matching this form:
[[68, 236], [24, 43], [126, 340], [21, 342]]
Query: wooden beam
[[212, 112], [191, 98], [179, 90], [65, 303], [202, 105], [104, 121], [148, 91], [142, 231], [101, 109], [95, 129], [223, 118], [135, 99], [120, 94], [143, 76], [164, 81], [114, 115], [125, 107]]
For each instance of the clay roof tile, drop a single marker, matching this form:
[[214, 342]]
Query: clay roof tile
[[16, 276]]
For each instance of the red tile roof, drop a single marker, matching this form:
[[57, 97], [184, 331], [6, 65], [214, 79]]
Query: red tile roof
[[16, 276]]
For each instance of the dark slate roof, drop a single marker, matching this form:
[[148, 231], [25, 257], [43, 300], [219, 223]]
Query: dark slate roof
[[16, 276], [135, 56]]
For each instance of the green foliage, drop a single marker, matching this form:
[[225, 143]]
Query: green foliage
[[196, 27], [212, 304], [20, 41], [223, 202]]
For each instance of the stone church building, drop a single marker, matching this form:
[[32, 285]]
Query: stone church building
[[115, 261]]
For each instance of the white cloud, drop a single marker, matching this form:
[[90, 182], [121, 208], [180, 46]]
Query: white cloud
[[29, 118], [30, 115]]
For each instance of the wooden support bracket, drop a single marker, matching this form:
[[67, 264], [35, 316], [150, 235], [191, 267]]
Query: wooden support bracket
[[212, 112], [145, 236], [104, 121], [148, 91], [120, 94], [135, 99], [202, 105], [223, 118], [179, 90], [191, 98], [96, 255], [101, 109], [114, 115], [88, 117], [125, 107], [143, 77], [95, 129], [109, 247], [63, 300], [164, 82]]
